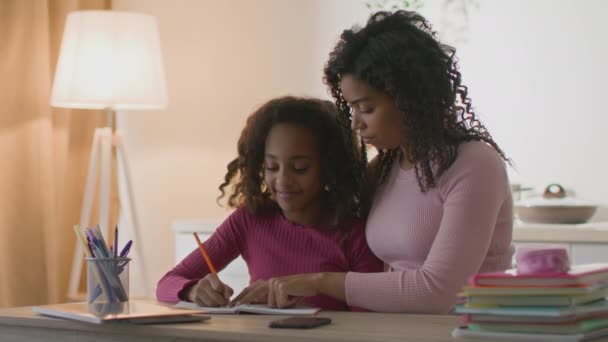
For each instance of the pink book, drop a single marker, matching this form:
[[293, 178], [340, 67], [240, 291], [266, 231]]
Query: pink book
[[578, 275]]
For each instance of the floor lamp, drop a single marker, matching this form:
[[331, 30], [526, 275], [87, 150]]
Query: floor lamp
[[112, 61]]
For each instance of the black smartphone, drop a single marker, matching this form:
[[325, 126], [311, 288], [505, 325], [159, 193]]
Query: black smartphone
[[299, 322]]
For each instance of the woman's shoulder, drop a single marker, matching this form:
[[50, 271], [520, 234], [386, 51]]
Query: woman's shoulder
[[477, 160], [477, 155], [476, 148]]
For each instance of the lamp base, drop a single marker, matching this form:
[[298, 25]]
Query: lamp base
[[103, 143]]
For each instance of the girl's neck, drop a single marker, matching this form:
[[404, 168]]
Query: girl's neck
[[404, 161], [311, 217]]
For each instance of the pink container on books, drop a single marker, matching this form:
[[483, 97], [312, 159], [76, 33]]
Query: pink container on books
[[535, 260]]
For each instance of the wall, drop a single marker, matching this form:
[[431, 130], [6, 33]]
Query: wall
[[533, 68], [222, 60], [536, 74]]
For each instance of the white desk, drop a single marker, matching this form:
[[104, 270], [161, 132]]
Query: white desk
[[21, 324]]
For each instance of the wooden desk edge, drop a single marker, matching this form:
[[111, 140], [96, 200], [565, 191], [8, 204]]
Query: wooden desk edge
[[368, 326]]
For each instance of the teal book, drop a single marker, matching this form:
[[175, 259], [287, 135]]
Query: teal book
[[464, 332], [580, 327]]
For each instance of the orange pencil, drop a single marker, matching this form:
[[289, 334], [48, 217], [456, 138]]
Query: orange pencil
[[205, 255]]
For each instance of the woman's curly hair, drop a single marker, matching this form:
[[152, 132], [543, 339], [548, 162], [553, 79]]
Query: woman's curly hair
[[397, 53], [342, 168]]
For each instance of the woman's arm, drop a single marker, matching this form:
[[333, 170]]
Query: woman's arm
[[474, 193]]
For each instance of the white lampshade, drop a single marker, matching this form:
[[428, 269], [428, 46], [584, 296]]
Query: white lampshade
[[110, 60]]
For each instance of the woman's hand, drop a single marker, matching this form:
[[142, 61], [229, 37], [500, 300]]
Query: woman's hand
[[209, 291], [284, 292], [280, 292], [255, 293]]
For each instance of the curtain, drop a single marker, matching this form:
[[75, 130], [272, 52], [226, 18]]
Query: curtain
[[44, 155]]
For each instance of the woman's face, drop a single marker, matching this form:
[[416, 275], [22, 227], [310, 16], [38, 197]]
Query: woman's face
[[375, 115]]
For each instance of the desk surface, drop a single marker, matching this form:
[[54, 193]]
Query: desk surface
[[21, 324]]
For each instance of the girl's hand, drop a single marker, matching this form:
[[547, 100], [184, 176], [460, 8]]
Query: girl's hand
[[255, 293], [210, 291], [284, 292]]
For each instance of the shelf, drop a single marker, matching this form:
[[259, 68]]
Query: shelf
[[593, 233]]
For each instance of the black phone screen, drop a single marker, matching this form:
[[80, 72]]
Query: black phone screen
[[299, 322]]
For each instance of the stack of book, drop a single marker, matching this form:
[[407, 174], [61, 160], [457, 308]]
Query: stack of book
[[568, 306]]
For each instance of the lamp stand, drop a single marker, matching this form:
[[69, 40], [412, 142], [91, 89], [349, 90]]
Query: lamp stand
[[103, 142]]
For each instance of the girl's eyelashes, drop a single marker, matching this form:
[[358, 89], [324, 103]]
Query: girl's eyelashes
[[295, 168], [300, 169], [271, 167]]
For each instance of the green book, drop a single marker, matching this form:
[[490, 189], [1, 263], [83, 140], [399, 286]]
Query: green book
[[536, 311], [468, 291], [529, 300]]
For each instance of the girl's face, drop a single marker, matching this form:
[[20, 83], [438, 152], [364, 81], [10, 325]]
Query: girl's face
[[292, 172], [374, 114]]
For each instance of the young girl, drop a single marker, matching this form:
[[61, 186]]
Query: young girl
[[441, 208], [296, 188]]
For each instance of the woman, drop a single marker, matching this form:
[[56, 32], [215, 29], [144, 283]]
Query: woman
[[441, 208]]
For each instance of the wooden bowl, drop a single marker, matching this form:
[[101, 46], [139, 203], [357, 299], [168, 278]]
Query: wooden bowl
[[555, 213]]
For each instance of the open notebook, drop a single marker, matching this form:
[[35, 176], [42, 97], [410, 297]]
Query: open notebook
[[138, 312], [250, 308]]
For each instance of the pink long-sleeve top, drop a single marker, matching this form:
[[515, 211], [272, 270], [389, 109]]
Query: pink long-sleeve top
[[433, 242], [272, 247]]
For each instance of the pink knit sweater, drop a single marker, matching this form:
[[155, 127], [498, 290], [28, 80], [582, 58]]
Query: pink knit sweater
[[433, 242], [273, 247]]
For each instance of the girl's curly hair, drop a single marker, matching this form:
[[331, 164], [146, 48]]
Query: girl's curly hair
[[397, 53], [341, 167]]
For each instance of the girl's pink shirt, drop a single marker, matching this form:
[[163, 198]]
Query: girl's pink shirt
[[273, 247]]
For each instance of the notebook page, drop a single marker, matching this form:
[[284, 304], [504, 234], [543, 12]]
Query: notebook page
[[211, 310], [264, 309], [251, 308]]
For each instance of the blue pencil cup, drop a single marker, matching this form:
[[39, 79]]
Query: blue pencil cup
[[107, 280]]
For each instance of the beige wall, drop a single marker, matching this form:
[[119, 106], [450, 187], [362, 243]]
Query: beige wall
[[222, 59], [225, 57]]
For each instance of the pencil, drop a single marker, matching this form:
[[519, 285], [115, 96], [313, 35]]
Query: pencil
[[205, 255], [116, 242]]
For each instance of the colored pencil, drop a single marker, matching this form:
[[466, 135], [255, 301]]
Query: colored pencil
[[205, 255]]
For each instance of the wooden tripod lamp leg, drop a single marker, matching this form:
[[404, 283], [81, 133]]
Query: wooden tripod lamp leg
[[85, 214], [104, 184], [127, 208]]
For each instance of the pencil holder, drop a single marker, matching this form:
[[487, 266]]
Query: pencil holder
[[107, 280]]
